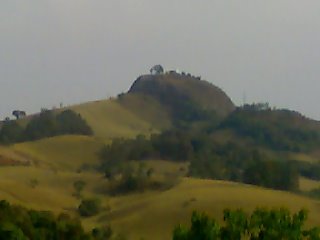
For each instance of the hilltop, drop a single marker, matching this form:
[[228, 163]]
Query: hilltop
[[185, 87]]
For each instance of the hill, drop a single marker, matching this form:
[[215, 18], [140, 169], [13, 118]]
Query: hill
[[173, 86], [178, 113]]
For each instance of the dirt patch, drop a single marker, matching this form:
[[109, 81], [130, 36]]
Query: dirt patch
[[7, 161]]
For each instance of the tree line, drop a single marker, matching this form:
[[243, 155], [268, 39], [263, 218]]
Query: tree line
[[46, 124], [262, 224], [280, 130], [208, 158]]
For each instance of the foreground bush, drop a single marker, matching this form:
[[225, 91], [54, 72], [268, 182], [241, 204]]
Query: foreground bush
[[18, 223], [261, 224]]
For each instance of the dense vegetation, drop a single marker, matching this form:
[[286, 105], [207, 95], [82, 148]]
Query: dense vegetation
[[182, 108], [208, 158], [18, 223], [46, 124], [262, 224], [309, 170], [125, 177], [282, 130], [263, 130]]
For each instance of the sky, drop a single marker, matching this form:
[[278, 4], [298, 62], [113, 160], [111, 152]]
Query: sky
[[73, 51]]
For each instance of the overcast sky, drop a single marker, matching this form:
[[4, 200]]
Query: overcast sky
[[72, 51]]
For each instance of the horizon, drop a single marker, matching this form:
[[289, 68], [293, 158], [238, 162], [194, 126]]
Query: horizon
[[58, 106]]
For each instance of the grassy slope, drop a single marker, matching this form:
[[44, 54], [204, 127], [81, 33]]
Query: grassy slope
[[153, 216], [53, 192], [147, 108], [110, 119], [308, 184], [66, 153]]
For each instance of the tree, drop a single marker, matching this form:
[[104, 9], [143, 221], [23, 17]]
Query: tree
[[157, 69], [11, 132], [70, 122], [19, 114], [89, 207]]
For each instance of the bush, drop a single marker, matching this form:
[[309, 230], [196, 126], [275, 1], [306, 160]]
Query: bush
[[89, 207], [70, 122], [272, 174], [103, 233], [18, 223]]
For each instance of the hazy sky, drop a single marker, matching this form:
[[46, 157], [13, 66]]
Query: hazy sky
[[72, 51]]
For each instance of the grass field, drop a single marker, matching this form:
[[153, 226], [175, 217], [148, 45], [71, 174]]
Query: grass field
[[147, 108], [308, 184], [109, 119], [303, 157], [151, 214], [67, 153]]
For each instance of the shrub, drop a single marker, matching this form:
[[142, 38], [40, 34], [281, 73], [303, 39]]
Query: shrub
[[102, 233], [18, 223], [89, 207]]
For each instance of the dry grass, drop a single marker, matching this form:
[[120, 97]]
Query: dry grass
[[66, 153], [147, 108], [153, 215], [308, 184], [109, 119], [303, 157]]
